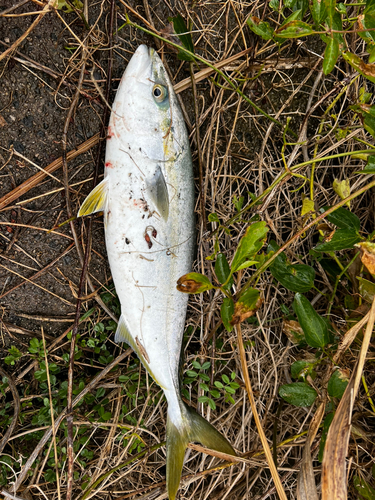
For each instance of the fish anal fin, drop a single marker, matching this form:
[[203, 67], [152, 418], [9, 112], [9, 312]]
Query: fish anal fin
[[96, 201], [158, 190]]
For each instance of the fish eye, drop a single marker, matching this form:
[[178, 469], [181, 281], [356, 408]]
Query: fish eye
[[159, 92]]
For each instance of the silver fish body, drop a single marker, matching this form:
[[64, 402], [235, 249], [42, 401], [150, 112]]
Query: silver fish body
[[147, 196]]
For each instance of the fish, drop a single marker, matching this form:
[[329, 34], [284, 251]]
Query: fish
[[147, 197]]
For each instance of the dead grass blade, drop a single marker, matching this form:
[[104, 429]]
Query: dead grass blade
[[306, 487], [34, 180], [267, 451], [334, 480]]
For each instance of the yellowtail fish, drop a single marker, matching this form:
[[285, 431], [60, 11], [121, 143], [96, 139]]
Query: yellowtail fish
[[147, 197]]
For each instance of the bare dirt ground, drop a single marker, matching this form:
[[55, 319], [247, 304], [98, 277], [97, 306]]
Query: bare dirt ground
[[52, 88]]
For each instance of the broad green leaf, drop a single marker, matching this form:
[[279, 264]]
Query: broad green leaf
[[371, 50], [331, 55], [293, 17], [337, 26], [297, 277], [249, 244], [222, 271], [330, 6], [313, 326], [366, 70], [326, 424], [294, 29], [181, 31], [370, 6], [260, 28], [226, 312], [343, 239], [342, 188], [247, 263], [370, 166], [194, 283], [298, 394], [364, 489], [301, 6], [343, 219], [301, 368], [318, 11], [366, 289], [338, 382], [307, 206]]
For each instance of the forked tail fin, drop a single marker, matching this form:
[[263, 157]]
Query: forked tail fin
[[193, 428]]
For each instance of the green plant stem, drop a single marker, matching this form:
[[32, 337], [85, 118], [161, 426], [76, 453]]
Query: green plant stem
[[207, 63], [330, 304], [333, 103], [283, 175], [263, 267]]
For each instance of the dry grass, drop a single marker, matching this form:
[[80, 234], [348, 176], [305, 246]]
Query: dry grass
[[241, 156]]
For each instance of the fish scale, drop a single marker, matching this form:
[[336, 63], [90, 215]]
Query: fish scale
[[147, 196]]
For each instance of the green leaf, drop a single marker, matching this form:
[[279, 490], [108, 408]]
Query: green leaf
[[203, 399], [213, 218], [65, 7], [206, 365], [249, 244], [218, 384], [301, 368], [298, 394], [365, 490], [342, 188], [194, 283], [331, 55], [211, 404], [337, 383], [342, 239], [260, 28], [366, 289], [181, 31], [343, 219], [191, 373], [318, 11], [313, 326], [326, 424], [222, 271], [225, 379], [370, 166], [226, 312], [297, 277], [294, 29]]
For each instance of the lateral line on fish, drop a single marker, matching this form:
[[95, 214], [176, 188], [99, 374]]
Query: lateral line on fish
[[165, 249]]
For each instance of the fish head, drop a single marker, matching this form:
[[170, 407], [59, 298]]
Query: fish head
[[146, 113]]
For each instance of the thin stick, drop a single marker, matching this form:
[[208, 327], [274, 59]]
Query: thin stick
[[267, 451]]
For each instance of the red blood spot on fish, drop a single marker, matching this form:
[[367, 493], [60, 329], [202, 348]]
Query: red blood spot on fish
[[110, 132], [148, 240], [108, 164]]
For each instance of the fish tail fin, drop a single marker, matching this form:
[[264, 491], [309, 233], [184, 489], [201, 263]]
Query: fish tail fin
[[193, 428]]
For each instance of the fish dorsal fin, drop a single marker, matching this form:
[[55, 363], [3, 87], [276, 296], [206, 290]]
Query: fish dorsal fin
[[157, 188], [96, 201]]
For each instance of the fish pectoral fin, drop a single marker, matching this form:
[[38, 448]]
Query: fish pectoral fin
[[96, 201], [157, 188]]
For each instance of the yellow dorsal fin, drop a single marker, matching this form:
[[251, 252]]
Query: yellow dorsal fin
[[96, 201]]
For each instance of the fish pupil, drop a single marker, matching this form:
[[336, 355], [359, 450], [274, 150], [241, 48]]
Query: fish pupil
[[157, 92]]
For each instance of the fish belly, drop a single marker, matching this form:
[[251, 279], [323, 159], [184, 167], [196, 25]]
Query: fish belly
[[147, 256]]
